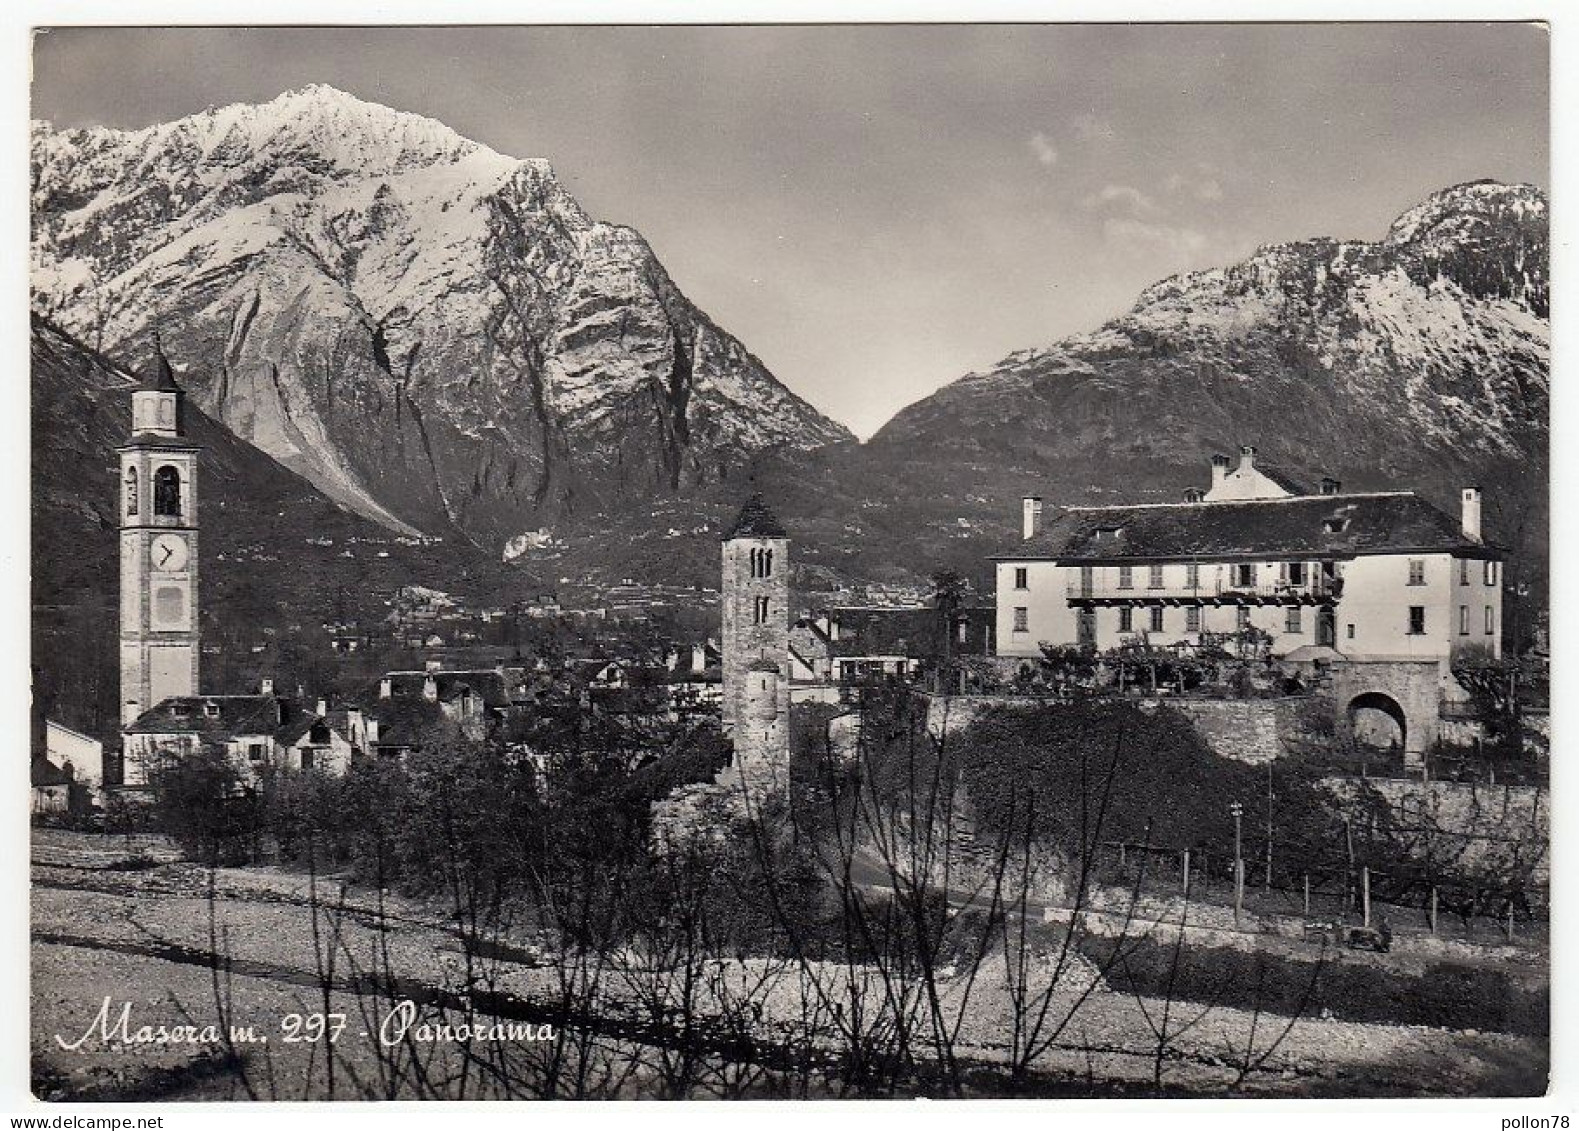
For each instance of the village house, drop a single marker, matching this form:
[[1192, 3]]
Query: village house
[[852, 644], [1382, 587], [1383, 575], [256, 731]]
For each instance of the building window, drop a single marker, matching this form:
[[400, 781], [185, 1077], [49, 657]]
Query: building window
[[1126, 619], [167, 492], [307, 757], [131, 491], [1296, 573], [1022, 619], [1463, 571], [964, 632], [1154, 577], [1242, 618], [1245, 575], [1491, 572], [1491, 620], [759, 610], [1416, 571], [254, 751], [1192, 618], [1022, 577], [1192, 576], [1156, 618], [1291, 620], [1463, 620], [1126, 577], [1350, 632], [1416, 620]]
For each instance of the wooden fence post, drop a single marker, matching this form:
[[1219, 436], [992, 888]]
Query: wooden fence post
[[1186, 873], [1365, 894], [1433, 909], [1307, 895]]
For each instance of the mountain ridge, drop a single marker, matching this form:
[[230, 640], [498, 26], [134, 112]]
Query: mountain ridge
[[505, 358]]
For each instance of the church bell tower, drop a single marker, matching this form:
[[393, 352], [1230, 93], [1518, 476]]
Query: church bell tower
[[755, 600], [157, 503]]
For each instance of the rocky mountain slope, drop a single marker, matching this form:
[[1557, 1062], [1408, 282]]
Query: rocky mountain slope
[[434, 334]]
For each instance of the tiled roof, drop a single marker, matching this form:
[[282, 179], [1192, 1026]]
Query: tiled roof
[[1282, 478], [218, 716], [1313, 526], [44, 772], [904, 631], [756, 521], [491, 685]]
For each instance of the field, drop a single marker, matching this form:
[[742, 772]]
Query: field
[[295, 947]]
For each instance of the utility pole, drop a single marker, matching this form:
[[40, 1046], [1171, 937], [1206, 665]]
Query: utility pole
[[1238, 812], [1269, 825]]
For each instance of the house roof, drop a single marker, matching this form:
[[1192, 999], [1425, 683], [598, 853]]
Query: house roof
[[1313, 526], [755, 520], [216, 717], [44, 772], [1282, 478], [491, 685], [906, 630]]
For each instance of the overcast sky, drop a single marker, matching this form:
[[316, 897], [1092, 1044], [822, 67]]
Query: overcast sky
[[875, 211]]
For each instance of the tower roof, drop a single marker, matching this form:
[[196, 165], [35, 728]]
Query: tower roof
[[756, 521], [159, 377]]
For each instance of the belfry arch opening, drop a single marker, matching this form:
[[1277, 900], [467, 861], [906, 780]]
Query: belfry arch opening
[[1377, 720], [167, 492]]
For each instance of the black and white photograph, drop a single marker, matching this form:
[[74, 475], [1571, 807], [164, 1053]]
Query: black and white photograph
[[997, 561]]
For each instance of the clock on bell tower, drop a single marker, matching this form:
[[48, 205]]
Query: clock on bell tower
[[157, 503]]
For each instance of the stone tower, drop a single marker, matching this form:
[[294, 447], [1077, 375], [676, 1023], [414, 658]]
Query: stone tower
[[755, 605], [761, 732], [157, 503]]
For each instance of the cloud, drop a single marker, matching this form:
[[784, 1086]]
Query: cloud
[[1046, 152], [1139, 236], [1089, 127], [1126, 196], [1208, 190], [1202, 187]]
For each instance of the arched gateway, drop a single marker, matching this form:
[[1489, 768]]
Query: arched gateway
[[1382, 702]]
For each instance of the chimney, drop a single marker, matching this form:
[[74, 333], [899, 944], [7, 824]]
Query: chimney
[[671, 659], [1219, 468], [1471, 513], [372, 731], [353, 723], [430, 687], [266, 686], [1247, 456], [1194, 494], [323, 707], [698, 658], [1031, 523], [386, 687], [1330, 486], [432, 665]]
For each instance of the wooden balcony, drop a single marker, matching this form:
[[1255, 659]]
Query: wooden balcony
[[1103, 594]]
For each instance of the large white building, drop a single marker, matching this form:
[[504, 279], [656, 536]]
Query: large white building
[[1373, 576]]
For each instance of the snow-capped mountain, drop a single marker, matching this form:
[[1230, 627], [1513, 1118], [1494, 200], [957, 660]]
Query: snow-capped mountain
[[1419, 361], [436, 335], [1431, 344]]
